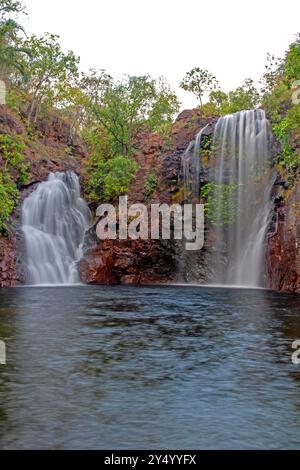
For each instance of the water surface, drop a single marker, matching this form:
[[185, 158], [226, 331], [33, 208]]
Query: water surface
[[154, 367]]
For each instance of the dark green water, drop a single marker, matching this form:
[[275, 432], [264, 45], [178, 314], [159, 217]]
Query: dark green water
[[156, 367]]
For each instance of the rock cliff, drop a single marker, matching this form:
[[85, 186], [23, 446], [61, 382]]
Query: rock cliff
[[136, 261]]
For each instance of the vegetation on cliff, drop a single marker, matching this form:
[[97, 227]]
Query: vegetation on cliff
[[110, 114], [282, 102]]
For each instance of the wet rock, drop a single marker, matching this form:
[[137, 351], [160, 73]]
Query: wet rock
[[283, 244], [8, 274]]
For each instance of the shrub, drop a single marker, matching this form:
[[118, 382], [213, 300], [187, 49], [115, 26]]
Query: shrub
[[12, 152], [110, 179], [9, 196], [150, 186]]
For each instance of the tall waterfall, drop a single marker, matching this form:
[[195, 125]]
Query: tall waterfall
[[238, 193], [54, 220]]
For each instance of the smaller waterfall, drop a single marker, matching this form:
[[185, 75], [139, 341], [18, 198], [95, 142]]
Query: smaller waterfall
[[54, 221], [191, 168]]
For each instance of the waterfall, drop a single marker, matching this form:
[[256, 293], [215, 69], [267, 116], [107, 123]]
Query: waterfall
[[191, 168], [54, 221], [238, 196]]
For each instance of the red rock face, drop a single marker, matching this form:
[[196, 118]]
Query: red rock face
[[283, 247], [145, 261], [8, 273], [128, 262]]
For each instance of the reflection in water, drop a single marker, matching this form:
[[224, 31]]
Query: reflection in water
[[155, 367]]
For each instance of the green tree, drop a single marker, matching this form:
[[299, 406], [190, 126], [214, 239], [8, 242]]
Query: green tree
[[244, 97], [199, 81], [11, 6], [132, 105], [292, 62], [11, 49], [273, 72], [50, 71], [13, 173], [284, 110], [79, 99], [9, 196], [110, 179]]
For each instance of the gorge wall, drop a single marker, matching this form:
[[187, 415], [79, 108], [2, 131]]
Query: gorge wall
[[283, 243], [149, 261], [138, 261]]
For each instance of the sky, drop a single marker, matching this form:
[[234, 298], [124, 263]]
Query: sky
[[167, 38]]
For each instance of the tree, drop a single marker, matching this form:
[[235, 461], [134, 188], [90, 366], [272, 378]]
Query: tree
[[134, 104], [50, 70], [11, 6], [243, 97], [164, 107], [11, 49], [95, 84], [292, 62], [218, 98], [273, 72], [78, 98], [199, 81], [110, 179]]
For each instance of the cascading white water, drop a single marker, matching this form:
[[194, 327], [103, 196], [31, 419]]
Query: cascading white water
[[239, 192], [242, 179], [54, 221], [191, 167]]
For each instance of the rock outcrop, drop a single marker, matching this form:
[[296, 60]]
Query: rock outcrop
[[145, 261], [283, 244]]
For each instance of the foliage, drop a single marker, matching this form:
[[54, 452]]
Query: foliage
[[13, 173], [9, 196], [110, 179], [150, 186], [165, 105], [287, 131], [12, 154], [292, 62], [283, 112], [50, 71], [108, 114], [131, 106], [11, 49], [199, 81], [245, 96], [220, 204], [273, 70], [11, 6]]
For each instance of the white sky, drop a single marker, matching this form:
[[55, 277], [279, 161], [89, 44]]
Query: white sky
[[230, 38]]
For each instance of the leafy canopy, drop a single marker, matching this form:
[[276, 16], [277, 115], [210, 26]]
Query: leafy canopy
[[110, 179], [199, 81], [131, 106], [11, 49]]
